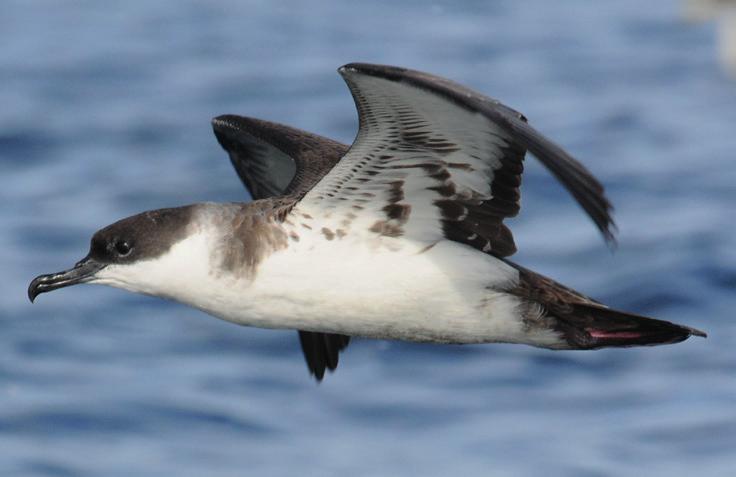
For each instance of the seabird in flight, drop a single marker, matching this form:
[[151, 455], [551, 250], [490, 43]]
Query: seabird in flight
[[400, 236]]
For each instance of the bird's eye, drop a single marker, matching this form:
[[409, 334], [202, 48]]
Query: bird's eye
[[122, 247]]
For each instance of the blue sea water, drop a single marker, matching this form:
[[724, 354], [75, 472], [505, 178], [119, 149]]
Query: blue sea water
[[104, 112]]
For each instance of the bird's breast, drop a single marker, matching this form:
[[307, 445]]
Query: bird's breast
[[445, 293]]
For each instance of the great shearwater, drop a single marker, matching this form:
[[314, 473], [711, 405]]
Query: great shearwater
[[400, 236]]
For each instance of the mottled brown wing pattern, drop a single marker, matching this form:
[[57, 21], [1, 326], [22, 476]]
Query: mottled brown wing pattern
[[424, 164], [581, 184]]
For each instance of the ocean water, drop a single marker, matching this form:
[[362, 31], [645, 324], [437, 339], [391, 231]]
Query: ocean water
[[104, 112]]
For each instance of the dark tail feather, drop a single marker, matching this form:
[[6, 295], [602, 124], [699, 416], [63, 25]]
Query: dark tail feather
[[592, 327]]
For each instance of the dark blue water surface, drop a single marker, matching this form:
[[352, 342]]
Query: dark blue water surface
[[104, 112]]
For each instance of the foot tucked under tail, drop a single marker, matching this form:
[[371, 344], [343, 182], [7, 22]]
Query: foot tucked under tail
[[595, 326], [587, 324]]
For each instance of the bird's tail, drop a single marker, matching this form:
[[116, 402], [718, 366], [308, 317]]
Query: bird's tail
[[592, 326]]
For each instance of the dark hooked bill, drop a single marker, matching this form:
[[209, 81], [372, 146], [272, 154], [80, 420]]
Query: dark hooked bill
[[82, 272]]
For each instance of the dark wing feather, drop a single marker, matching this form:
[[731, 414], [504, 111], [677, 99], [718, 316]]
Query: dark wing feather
[[581, 184], [322, 351], [273, 159]]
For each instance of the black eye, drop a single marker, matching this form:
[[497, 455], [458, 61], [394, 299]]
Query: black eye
[[122, 247]]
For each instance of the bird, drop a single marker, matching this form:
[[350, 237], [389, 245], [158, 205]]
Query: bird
[[400, 236]]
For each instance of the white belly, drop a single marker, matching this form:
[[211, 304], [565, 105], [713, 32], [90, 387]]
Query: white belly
[[443, 294]]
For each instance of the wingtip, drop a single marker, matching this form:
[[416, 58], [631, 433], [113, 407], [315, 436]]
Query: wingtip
[[220, 123], [318, 377], [373, 69], [609, 235], [229, 123], [345, 68], [223, 120], [357, 66]]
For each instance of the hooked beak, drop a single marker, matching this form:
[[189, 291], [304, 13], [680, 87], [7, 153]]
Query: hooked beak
[[82, 272]]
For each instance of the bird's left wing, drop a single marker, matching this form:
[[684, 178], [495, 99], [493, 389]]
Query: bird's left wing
[[435, 160], [274, 159]]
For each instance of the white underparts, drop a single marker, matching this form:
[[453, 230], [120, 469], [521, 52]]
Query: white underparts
[[358, 284]]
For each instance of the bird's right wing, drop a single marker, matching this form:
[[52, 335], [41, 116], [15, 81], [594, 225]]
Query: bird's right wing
[[273, 159]]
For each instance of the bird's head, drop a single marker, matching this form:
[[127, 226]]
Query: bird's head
[[134, 254]]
